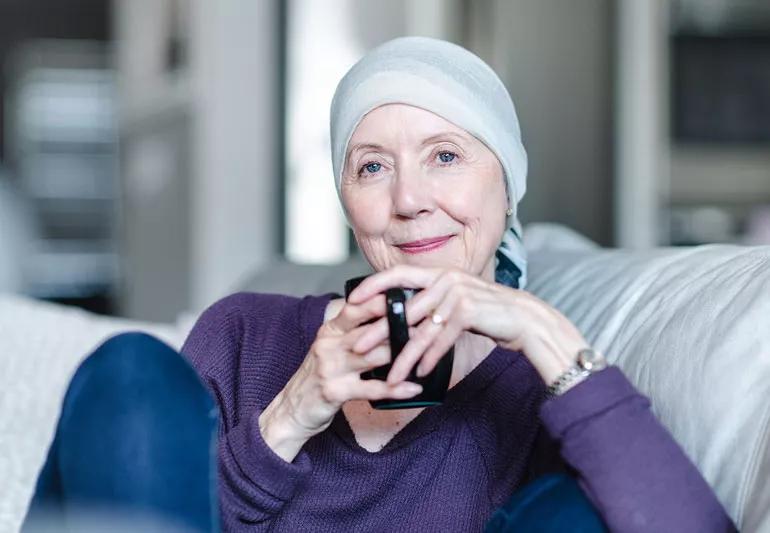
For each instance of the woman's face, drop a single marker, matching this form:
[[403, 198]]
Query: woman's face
[[420, 190]]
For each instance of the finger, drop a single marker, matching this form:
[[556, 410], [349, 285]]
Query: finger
[[350, 338], [399, 276], [438, 349], [353, 315], [371, 335], [426, 334], [417, 308], [451, 326], [334, 362], [374, 389], [378, 356], [420, 339], [426, 303]]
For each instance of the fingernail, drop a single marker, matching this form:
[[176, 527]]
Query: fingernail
[[413, 388]]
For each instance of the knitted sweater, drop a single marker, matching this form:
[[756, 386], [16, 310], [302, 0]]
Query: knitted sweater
[[450, 467]]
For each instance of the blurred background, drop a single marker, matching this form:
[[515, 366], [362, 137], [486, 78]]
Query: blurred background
[[156, 153]]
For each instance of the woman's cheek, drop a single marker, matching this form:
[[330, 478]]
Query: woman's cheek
[[365, 209], [376, 252], [464, 204], [370, 222]]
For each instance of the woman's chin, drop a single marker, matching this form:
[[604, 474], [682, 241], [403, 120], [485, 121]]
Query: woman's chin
[[442, 258]]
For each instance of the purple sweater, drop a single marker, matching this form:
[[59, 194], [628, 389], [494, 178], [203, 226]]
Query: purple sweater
[[450, 467]]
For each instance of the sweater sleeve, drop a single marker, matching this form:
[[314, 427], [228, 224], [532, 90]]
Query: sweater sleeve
[[255, 482], [628, 464], [235, 351]]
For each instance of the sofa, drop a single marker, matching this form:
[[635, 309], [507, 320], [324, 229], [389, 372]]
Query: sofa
[[687, 325]]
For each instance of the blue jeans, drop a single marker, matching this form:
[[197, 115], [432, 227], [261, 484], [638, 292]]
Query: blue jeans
[[553, 503], [136, 447]]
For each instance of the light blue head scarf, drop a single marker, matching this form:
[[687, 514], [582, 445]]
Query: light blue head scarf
[[455, 84]]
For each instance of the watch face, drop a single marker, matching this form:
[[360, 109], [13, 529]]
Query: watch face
[[591, 360]]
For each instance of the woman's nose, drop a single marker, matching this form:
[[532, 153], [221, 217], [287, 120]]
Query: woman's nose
[[412, 195]]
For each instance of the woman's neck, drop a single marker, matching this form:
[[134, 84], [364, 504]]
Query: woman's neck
[[470, 351]]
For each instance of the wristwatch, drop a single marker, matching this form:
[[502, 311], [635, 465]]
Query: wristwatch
[[589, 361]]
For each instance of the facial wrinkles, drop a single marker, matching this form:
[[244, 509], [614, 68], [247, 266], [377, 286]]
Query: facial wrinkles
[[399, 144], [461, 197]]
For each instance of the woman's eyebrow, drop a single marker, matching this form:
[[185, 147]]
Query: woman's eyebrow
[[360, 147], [438, 137], [441, 137]]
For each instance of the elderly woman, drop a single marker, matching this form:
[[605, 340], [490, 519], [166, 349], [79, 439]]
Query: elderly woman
[[430, 167]]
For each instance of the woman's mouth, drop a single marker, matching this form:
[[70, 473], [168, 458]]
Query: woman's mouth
[[424, 245]]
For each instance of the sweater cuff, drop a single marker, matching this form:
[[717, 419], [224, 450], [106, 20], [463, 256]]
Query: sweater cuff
[[595, 395], [261, 465]]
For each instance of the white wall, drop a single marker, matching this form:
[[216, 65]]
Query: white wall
[[235, 144], [200, 151], [641, 132], [555, 57]]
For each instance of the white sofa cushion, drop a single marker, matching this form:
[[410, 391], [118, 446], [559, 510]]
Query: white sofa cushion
[[690, 327]]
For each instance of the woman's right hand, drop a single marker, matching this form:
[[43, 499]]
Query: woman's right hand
[[328, 377]]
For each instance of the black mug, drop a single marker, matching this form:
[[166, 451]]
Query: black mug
[[435, 384]]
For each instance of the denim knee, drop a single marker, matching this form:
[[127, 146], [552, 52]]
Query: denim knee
[[131, 352], [551, 503], [139, 366], [136, 433]]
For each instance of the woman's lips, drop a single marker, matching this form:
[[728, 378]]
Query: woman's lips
[[424, 245]]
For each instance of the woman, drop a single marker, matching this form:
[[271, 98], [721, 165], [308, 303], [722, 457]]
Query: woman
[[430, 167]]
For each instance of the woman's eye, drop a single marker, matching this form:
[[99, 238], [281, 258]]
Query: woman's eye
[[371, 168], [446, 157]]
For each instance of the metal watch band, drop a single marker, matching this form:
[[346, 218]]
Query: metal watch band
[[571, 377]]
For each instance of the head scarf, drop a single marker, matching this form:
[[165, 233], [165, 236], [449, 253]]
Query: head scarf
[[455, 84]]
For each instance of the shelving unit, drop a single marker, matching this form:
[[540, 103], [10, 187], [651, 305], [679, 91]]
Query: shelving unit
[[693, 122], [720, 122], [62, 147]]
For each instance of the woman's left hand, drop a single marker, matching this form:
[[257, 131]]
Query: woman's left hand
[[454, 301]]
